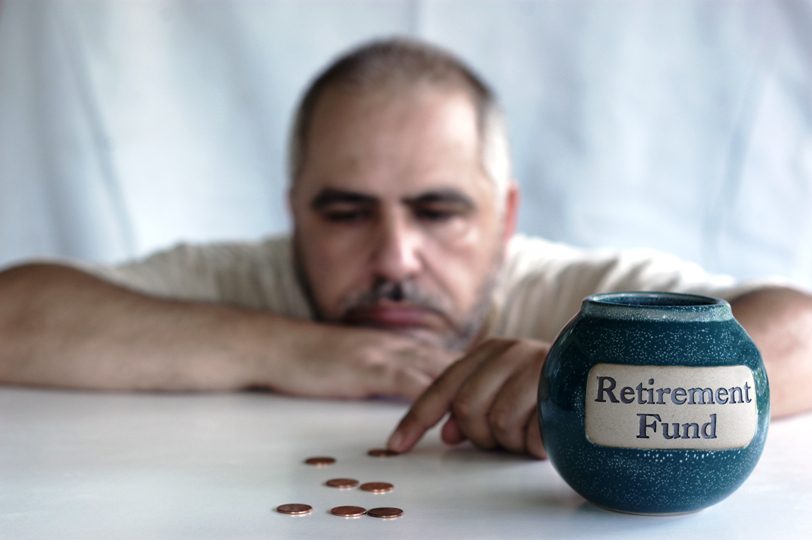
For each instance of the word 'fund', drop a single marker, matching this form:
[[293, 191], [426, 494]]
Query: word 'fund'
[[654, 395]]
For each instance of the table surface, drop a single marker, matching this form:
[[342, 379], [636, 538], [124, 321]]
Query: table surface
[[85, 465]]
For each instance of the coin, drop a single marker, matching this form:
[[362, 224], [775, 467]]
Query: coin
[[320, 461], [348, 511], [385, 512], [294, 509], [377, 487], [341, 483], [382, 452]]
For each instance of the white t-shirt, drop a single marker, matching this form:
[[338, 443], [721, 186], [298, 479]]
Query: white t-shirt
[[540, 287]]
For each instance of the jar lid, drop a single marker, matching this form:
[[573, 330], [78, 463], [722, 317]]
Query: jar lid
[[657, 306]]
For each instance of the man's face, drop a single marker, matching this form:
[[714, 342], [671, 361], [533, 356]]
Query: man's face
[[397, 226]]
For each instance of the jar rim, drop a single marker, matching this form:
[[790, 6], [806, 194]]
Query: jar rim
[[657, 306]]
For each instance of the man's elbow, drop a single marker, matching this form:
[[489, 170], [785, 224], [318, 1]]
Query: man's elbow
[[25, 292], [772, 308], [779, 320]]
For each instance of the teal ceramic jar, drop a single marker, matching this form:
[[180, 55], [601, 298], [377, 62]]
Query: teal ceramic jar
[[654, 403]]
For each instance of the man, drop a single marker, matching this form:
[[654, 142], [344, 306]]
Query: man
[[403, 276]]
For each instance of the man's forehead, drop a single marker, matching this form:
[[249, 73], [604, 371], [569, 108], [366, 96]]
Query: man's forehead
[[399, 148], [430, 116]]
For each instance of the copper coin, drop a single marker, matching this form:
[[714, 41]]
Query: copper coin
[[320, 461], [348, 511], [294, 509], [377, 487], [341, 483], [385, 512], [382, 452]]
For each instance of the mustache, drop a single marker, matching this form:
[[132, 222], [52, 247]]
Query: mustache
[[407, 292]]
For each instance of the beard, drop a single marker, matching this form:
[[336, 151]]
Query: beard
[[461, 332]]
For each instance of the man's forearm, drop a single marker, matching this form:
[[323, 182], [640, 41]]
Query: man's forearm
[[61, 327], [780, 322]]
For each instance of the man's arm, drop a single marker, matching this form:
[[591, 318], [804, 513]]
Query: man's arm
[[780, 322], [62, 327]]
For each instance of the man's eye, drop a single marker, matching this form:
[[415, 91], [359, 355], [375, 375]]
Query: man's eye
[[435, 214], [346, 216]]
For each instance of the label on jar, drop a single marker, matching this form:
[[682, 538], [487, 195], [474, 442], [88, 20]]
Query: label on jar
[[708, 408]]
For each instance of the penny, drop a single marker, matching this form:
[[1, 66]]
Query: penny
[[377, 487], [320, 461], [382, 452], [341, 483], [385, 512], [348, 511], [294, 509]]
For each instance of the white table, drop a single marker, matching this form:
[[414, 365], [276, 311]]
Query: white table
[[107, 466]]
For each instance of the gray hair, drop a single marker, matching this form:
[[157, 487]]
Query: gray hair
[[399, 63]]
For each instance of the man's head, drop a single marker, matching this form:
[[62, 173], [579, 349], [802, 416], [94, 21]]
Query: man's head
[[401, 193]]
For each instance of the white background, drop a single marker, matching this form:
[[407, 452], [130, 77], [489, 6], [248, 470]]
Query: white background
[[683, 125]]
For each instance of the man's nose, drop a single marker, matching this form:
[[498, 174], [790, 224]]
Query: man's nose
[[397, 254]]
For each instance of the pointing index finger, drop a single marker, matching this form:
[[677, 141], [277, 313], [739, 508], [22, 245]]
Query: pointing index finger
[[435, 402]]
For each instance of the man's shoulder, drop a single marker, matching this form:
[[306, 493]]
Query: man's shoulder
[[220, 256], [272, 245], [531, 254], [521, 247], [253, 273], [543, 283]]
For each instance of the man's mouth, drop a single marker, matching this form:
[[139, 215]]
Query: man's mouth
[[392, 316]]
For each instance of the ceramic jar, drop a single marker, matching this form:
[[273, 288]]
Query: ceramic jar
[[654, 403]]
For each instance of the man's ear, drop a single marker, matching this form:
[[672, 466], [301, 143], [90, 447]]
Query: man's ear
[[511, 210]]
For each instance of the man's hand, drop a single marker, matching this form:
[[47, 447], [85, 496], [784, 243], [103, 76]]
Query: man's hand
[[491, 395], [343, 362]]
